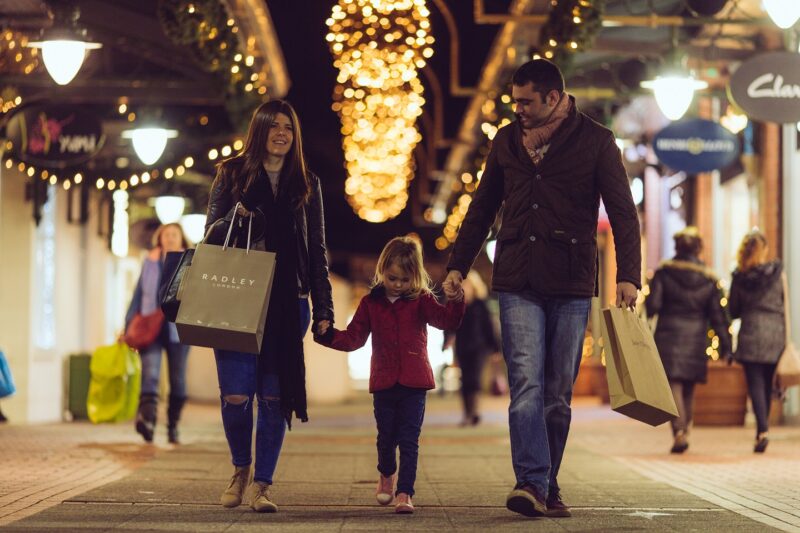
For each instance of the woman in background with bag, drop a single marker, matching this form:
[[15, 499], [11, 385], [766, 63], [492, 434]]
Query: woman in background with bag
[[474, 341], [686, 296], [269, 177], [148, 332], [757, 297]]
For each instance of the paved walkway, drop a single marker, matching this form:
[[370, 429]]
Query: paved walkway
[[617, 476]]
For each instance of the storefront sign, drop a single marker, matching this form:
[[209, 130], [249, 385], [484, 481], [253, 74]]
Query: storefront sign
[[55, 136], [767, 87], [696, 145]]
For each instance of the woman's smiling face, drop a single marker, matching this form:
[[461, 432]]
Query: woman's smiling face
[[281, 136]]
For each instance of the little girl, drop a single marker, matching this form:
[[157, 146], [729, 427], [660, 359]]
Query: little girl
[[397, 311]]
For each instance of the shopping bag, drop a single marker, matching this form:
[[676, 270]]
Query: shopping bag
[[143, 330], [225, 297], [115, 384], [7, 387], [637, 383], [176, 264], [788, 370]]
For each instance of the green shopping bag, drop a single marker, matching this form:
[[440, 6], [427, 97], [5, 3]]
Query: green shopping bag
[[115, 384]]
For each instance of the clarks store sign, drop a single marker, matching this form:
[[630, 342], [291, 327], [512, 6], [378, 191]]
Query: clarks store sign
[[55, 136], [767, 87], [696, 145]]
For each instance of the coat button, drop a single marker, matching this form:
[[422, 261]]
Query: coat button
[[538, 176], [535, 206], [574, 241], [532, 238]]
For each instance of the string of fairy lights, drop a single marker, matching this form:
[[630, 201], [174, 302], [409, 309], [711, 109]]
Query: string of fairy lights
[[107, 181], [378, 48], [15, 57], [206, 27], [497, 113]]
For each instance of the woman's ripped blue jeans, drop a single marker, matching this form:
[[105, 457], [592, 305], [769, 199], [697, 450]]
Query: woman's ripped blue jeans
[[239, 382]]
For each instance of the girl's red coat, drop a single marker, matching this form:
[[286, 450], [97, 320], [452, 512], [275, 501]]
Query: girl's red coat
[[399, 337]]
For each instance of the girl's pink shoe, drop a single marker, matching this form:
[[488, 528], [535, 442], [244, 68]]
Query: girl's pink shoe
[[385, 490], [403, 504]]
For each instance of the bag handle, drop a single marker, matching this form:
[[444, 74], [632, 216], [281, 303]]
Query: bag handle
[[786, 318], [230, 228]]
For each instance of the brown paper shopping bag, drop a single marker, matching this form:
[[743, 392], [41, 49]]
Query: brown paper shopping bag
[[637, 383], [787, 373], [225, 297]]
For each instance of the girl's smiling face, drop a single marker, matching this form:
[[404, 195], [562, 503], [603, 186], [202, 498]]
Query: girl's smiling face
[[396, 280]]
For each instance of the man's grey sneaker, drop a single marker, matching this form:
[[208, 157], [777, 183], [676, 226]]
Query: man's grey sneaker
[[526, 500], [556, 507]]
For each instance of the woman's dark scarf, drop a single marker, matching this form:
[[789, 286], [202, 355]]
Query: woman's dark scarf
[[282, 346]]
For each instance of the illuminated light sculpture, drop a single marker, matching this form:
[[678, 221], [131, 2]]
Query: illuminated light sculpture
[[378, 46]]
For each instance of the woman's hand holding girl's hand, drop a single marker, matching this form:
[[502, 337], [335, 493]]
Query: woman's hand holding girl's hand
[[322, 327]]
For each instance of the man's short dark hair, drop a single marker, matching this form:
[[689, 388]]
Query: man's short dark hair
[[544, 75]]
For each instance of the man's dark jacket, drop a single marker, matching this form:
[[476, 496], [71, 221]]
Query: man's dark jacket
[[548, 238]]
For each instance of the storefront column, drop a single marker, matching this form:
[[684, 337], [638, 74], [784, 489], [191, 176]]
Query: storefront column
[[16, 294], [791, 247]]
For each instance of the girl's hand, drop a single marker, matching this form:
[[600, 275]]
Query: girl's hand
[[242, 211], [455, 294], [322, 327]]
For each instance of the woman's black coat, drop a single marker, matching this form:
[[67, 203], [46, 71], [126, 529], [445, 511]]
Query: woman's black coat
[[312, 261], [687, 299], [757, 298]]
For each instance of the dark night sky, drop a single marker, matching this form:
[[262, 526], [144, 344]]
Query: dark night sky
[[301, 29]]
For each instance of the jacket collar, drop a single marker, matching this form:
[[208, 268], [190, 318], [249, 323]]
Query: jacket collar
[[378, 292], [560, 136]]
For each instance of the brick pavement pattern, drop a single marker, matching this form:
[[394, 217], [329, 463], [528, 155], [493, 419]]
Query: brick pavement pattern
[[617, 476]]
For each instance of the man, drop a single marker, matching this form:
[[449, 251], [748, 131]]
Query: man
[[548, 169]]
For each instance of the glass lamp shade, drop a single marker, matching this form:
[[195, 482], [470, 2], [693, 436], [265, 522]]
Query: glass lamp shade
[[149, 143], [674, 94], [784, 13], [194, 227], [169, 208], [63, 57]]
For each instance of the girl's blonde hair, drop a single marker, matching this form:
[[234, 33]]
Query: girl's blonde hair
[[406, 253], [749, 254]]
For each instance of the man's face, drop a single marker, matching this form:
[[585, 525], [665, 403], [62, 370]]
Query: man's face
[[531, 108]]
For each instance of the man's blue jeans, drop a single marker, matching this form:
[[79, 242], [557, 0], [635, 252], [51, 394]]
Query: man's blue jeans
[[542, 346], [238, 376]]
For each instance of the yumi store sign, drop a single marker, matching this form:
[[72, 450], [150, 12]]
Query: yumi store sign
[[55, 136], [767, 87]]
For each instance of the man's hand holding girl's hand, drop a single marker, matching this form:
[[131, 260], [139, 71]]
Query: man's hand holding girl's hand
[[452, 286]]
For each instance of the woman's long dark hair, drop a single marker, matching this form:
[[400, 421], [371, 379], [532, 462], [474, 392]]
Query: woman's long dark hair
[[238, 171]]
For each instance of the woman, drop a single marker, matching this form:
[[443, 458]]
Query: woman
[[475, 339], [271, 180], [757, 298], [687, 298], [167, 238]]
